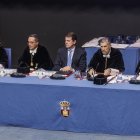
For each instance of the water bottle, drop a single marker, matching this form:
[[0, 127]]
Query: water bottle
[[119, 78]]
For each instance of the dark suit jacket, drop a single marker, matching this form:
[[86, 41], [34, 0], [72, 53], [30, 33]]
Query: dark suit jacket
[[41, 58], [78, 60], [3, 57], [115, 61]]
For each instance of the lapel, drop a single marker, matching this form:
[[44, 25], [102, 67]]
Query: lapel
[[74, 55], [65, 54]]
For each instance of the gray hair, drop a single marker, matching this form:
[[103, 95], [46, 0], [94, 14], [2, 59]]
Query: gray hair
[[35, 36], [104, 39]]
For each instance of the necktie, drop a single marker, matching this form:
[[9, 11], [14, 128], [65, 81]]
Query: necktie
[[69, 58]]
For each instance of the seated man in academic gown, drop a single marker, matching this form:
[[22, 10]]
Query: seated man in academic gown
[[70, 57], [35, 56], [106, 60], [3, 57]]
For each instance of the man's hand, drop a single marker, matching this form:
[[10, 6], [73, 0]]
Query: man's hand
[[107, 72], [91, 72], [66, 68], [1, 66]]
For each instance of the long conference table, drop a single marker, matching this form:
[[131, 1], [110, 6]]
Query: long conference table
[[33, 102], [131, 57]]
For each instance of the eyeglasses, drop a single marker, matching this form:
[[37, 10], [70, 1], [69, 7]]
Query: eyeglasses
[[31, 42], [104, 46]]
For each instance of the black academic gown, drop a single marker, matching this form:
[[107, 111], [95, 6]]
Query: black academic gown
[[115, 61], [41, 58], [3, 57]]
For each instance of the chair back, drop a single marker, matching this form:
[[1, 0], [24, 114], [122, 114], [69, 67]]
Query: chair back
[[9, 52]]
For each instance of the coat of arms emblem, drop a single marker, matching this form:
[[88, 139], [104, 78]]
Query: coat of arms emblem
[[65, 108]]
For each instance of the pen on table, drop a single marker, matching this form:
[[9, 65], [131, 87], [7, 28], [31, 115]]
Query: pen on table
[[110, 80]]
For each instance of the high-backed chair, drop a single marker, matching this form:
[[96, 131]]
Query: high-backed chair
[[9, 51]]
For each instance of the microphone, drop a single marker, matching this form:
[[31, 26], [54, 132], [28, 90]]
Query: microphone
[[23, 68], [22, 64]]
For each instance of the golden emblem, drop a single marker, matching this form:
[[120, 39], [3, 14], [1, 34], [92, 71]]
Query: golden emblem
[[65, 108]]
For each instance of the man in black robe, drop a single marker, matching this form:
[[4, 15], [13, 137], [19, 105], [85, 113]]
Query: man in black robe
[[3, 57], [35, 56], [106, 59]]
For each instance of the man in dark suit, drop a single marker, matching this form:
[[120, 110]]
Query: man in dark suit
[[70, 57], [106, 60], [3, 57], [35, 56]]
